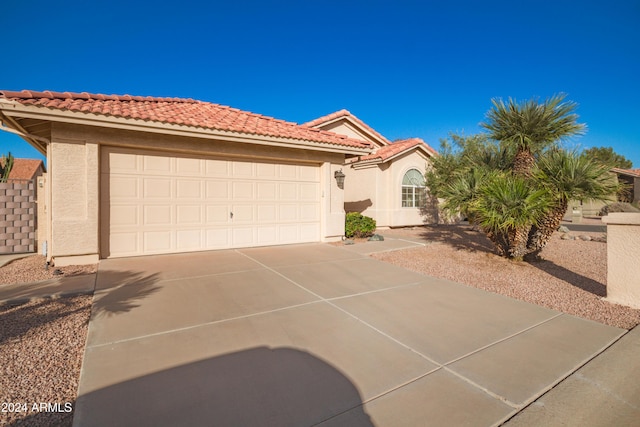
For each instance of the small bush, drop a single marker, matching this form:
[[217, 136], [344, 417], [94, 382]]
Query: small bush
[[618, 207], [358, 225]]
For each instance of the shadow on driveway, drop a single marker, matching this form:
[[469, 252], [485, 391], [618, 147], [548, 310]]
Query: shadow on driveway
[[119, 291], [258, 386]]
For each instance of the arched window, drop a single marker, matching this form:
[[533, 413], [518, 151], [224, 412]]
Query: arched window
[[413, 189]]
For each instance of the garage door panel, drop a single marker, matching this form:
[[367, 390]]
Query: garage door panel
[[242, 169], [124, 243], [242, 190], [157, 241], [189, 167], [125, 215], [217, 190], [158, 215], [164, 204], [242, 236], [217, 168], [308, 212], [217, 238], [157, 164], [217, 214], [188, 189], [266, 171], [266, 191], [121, 163], [267, 213], [189, 214], [267, 235], [242, 213], [288, 171], [288, 191], [309, 232], [124, 187], [288, 212], [288, 233], [309, 173], [308, 192], [189, 240], [156, 188]]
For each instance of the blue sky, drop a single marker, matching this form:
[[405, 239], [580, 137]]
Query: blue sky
[[406, 68]]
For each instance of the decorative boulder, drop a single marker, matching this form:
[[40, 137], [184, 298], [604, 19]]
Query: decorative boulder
[[376, 238]]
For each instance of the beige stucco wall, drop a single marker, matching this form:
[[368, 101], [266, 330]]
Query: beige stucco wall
[[376, 191], [343, 128], [42, 203], [73, 164], [623, 253]]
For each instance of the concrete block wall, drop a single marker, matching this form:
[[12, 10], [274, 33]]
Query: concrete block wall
[[17, 217]]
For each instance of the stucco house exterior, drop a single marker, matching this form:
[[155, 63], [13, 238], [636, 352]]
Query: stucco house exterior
[[130, 176], [388, 183]]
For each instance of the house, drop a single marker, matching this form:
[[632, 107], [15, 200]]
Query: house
[[26, 170], [388, 183], [130, 175], [630, 178]]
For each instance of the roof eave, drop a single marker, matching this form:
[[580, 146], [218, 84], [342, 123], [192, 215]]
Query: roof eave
[[11, 109]]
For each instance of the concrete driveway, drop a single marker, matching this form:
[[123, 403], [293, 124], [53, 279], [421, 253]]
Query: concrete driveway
[[314, 335]]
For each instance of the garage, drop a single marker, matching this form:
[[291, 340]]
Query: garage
[[158, 203]]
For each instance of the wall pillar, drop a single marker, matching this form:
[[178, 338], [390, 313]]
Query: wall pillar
[[623, 255]]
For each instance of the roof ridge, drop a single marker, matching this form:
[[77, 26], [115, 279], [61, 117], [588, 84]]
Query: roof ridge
[[30, 94], [346, 113]]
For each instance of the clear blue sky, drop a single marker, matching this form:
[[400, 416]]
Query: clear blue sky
[[407, 68]]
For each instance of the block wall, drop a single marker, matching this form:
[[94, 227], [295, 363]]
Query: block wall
[[17, 217]]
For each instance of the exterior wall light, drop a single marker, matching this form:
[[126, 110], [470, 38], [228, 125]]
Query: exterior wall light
[[339, 175]]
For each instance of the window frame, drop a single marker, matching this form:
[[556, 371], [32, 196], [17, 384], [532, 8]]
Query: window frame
[[412, 195]]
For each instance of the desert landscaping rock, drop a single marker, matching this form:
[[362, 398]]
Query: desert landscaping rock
[[41, 348], [33, 269], [571, 277]]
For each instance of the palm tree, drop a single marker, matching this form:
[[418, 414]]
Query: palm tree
[[506, 209], [531, 127], [567, 175]]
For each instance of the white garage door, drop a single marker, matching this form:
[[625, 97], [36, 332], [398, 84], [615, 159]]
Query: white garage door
[[155, 203]]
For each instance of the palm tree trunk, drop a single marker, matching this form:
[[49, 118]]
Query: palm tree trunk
[[540, 235], [523, 163]]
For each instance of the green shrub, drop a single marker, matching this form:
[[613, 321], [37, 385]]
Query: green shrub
[[618, 207], [358, 225]]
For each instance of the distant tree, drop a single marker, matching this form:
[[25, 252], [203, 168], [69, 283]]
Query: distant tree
[[6, 163], [607, 156]]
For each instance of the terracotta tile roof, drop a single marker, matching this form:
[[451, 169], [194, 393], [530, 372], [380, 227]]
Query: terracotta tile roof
[[634, 172], [396, 148], [25, 168], [344, 113], [178, 111]]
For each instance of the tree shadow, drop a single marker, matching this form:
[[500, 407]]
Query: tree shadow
[[358, 206], [120, 291], [458, 236], [571, 277], [18, 318], [258, 386]]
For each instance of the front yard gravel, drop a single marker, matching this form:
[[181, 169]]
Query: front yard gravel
[[571, 277], [41, 349]]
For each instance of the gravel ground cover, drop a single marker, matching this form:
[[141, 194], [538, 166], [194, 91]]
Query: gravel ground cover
[[32, 269], [41, 348], [571, 277]]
